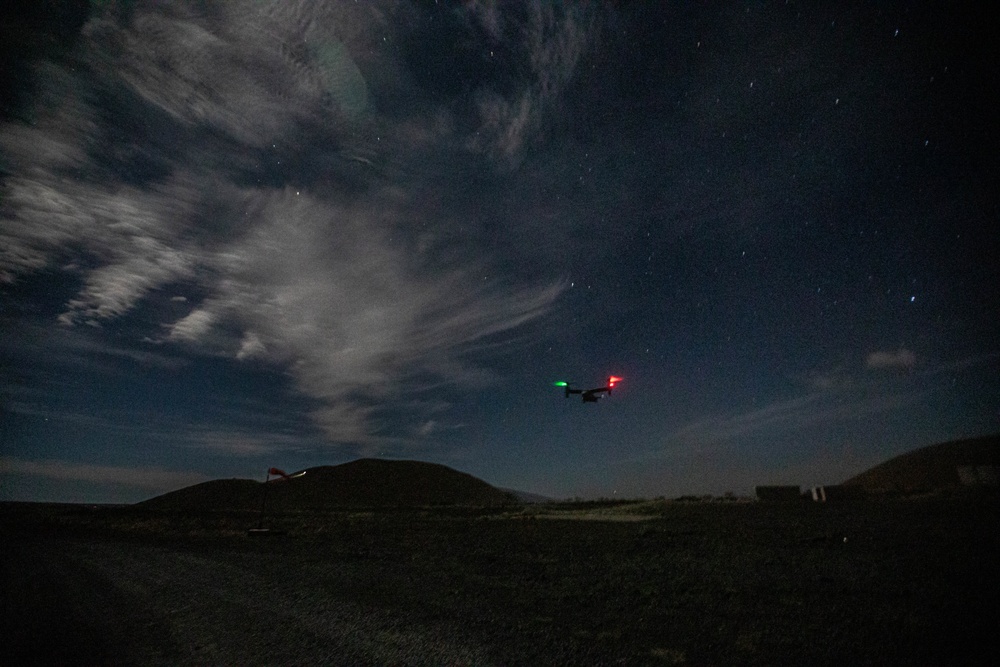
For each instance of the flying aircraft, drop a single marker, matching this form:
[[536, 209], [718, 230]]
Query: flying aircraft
[[590, 395]]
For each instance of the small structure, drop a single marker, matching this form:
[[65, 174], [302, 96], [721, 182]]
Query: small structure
[[778, 493]]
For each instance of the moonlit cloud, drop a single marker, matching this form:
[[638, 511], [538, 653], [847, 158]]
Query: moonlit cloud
[[554, 38], [244, 233], [237, 442], [331, 281], [900, 359], [251, 347], [794, 414], [426, 428], [145, 478], [192, 326]]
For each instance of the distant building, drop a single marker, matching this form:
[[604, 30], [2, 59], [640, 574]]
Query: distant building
[[779, 493]]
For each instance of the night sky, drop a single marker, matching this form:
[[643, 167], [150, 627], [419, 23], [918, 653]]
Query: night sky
[[285, 233]]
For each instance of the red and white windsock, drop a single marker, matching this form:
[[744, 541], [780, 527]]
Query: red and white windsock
[[278, 472]]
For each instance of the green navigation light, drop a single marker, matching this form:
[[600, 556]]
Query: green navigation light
[[560, 384]]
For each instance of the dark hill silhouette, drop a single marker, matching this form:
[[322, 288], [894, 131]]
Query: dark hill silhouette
[[930, 468], [218, 494], [361, 483]]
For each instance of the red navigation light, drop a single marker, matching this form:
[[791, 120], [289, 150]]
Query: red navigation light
[[612, 380]]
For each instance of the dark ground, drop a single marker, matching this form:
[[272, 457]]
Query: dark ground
[[915, 582]]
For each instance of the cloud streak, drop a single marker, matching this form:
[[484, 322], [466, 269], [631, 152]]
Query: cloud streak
[[144, 478], [902, 359], [554, 38], [807, 411], [210, 194]]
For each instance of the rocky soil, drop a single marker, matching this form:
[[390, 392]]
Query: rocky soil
[[904, 581]]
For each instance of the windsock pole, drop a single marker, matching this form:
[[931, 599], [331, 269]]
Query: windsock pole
[[263, 501]]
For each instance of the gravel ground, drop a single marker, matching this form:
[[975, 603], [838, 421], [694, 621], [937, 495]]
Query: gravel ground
[[104, 602], [888, 582]]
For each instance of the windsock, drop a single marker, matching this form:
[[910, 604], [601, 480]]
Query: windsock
[[278, 472]]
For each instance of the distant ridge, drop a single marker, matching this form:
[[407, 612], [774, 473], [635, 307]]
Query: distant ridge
[[528, 498], [361, 483], [931, 468], [218, 494]]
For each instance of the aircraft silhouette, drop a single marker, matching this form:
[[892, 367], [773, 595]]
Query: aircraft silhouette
[[590, 395]]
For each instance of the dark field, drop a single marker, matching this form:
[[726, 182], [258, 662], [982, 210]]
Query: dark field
[[915, 582]]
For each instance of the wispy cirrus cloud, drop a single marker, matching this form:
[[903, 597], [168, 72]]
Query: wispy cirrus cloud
[[899, 359], [246, 429], [810, 410], [216, 154], [831, 397], [554, 38], [145, 478], [237, 442]]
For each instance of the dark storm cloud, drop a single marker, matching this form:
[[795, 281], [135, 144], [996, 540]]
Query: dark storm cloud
[[175, 150]]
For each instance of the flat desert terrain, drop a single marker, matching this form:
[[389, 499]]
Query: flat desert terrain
[[885, 581]]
